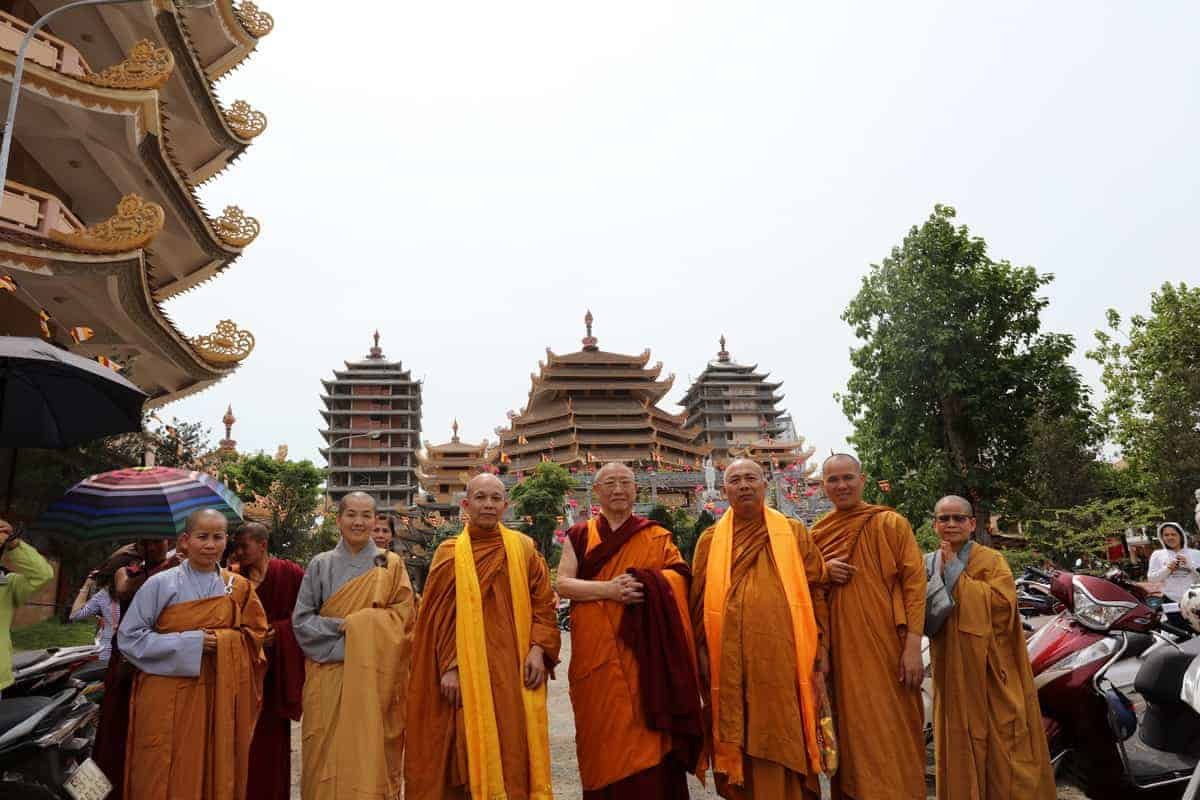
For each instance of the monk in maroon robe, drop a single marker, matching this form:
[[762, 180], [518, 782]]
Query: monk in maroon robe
[[148, 558], [277, 583]]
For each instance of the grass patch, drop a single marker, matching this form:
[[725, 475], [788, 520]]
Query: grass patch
[[52, 633]]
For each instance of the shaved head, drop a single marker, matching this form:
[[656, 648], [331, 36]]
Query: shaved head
[[839, 461], [741, 464], [745, 488], [615, 468], [357, 497], [484, 479], [950, 501], [200, 516]]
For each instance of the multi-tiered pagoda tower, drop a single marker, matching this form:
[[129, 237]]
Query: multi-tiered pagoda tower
[[591, 406], [118, 124], [737, 411], [373, 413], [444, 470]]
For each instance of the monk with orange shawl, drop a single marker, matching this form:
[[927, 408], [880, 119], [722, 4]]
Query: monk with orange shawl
[[757, 596], [638, 728], [195, 634], [354, 621], [987, 724], [486, 640], [875, 620]]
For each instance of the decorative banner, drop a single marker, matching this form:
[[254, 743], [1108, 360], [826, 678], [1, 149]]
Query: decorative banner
[[44, 320], [8, 284], [522, 440], [107, 362]]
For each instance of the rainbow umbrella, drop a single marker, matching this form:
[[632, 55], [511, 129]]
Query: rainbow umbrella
[[136, 503]]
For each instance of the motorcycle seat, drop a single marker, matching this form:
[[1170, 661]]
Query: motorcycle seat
[[14, 710], [1160, 678], [27, 658]]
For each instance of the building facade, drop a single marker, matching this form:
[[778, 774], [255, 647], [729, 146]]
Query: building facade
[[590, 407], [373, 423], [443, 471], [734, 406], [118, 124]]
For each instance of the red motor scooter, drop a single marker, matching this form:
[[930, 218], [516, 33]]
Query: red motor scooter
[[1084, 664]]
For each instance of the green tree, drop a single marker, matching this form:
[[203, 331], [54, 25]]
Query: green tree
[[953, 368], [289, 490], [541, 496], [1151, 372], [1082, 532], [323, 537]]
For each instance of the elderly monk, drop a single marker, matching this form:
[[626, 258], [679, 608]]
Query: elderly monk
[[756, 601], [634, 685], [277, 583], [875, 621], [987, 725], [354, 621], [195, 634], [486, 639]]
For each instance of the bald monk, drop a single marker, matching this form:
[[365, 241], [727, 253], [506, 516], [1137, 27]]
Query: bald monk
[[875, 620], [354, 620], [987, 730], [486, 640], [634, 685], [195, 634], [757, 599], [276, 581]]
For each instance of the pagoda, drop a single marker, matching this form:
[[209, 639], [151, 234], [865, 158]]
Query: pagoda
[[444, 470], [118, 124], [737, 411], [591, 407], [373, 417]]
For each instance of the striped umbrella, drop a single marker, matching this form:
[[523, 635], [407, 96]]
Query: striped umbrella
[[140, 502]]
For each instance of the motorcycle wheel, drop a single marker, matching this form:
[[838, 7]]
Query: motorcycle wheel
[[20, 790]]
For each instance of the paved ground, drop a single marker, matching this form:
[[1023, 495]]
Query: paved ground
[[562, 746]]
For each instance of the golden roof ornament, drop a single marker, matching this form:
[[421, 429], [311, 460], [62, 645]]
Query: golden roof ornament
[[228, 445], [589, 342], [228, 344], [245, 121], [136, 222], [235, 228], [257, 22], [146, 67]]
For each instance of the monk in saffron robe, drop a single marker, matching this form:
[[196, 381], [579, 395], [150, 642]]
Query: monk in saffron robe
[[112, 728], [757, 596], [486, 640], [987, 724], [875, 620], [354, 619], [195, 634], [638, 728], [277, 583]]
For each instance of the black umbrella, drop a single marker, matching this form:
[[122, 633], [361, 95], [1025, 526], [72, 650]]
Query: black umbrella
[[51, 398]]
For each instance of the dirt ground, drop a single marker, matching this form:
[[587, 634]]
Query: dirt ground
[[562, 746]]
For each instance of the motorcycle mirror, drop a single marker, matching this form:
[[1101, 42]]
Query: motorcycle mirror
[[1121, 717]]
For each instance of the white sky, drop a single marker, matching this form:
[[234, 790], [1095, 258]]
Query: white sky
[[469, 178]]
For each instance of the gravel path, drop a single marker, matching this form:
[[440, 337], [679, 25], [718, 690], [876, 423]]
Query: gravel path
[[565, 769]]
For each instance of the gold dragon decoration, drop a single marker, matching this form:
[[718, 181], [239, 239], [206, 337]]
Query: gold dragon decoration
[[146, 67], [228, 344], [136, 222], [235, 228], [257, 22], [245, 121]]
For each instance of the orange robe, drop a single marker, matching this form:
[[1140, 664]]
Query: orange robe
[[612, 738], [987, 723], [760, 703], [880, 723], [435, 766], [353, 726], [189, 738]]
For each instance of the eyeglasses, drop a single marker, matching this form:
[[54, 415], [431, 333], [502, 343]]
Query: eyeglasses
[[958, 518]]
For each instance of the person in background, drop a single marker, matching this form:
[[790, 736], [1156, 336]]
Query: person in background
[[383, 532], [27, 572], [1176, 566], [97, 598]]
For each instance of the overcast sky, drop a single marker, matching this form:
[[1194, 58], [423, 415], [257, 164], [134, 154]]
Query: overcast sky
[[470, 178]]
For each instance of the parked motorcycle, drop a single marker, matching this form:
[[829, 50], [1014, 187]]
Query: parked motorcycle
[[1084, 661], [1034, 598], [47, 726]]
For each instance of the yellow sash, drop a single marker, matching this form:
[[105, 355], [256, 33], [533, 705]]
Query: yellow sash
[[486, 772], [727, 756]]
